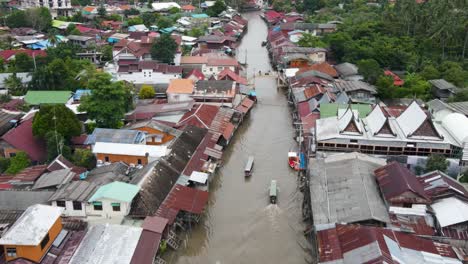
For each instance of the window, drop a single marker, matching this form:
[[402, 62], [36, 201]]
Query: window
[[211, 69], [115, 207], [97, 206], [353, 141], [106, 158], [11, 252], [12, 154], [45, 241], [60, 203], [220, 68], [77, 206], [139, 160]]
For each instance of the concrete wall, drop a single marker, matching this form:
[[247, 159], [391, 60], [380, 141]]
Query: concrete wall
[[208, 71], [107, 211], [69, 211], [174, 98], [147, 77], [124, 158]]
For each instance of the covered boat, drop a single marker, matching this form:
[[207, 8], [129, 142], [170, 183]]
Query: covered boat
[[273, 191], [249, 166]]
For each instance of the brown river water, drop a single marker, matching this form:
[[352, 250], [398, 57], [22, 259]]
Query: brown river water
[[239, 224]]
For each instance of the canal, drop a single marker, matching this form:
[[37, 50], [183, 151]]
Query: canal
[[239, 225]]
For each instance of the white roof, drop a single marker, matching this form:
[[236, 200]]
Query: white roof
[[141, 28], [411, 119], [32, 226], [188, 38], [184, 22], [107, 244], [457, 125], [376, 119], [129, 149], [291, 72], [199, 177], [164, 6], [345, 118], [416, 209], [450, 211]]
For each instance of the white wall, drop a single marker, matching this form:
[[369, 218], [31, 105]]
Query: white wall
[[174, 98], [214, 70], [107, 211], [318, 57], [147, 77], [69, 209]]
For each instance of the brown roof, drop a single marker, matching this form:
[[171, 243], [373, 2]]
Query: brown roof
[[323, 67], [397, 182], [188, 7], [200, 116], [180, 86], [22, 138], [193, 60], [30, 174], [222, 62]]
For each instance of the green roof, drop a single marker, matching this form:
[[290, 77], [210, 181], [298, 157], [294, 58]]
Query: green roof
[[47, 97], [119, 191], [58, 23], [330, 110]]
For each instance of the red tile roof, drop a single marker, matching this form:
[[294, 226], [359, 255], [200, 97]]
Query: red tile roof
[[323, 67], [399, 185], [197, 73], [7, 54], [21, 137], [188, 8], [200, 116], [222, 62], [188, 199], [227, 74], [397, 81]]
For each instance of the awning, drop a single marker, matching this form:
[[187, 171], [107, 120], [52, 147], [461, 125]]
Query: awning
[[115, 204], [199, 177], [97, 203]]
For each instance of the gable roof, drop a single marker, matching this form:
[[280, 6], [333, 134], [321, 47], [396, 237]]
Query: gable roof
[[54, 179], [79, 191], [323, 67], [119, 191], [180, 86], [395, 180], [32, 226], [415, 122], [442, 84], [197, 73], [109, 135], [378, 122], [349, 122], [22, 138], [200, 116], [8, 54], [438, 185], [20, 200], [154, 124], [232, 75]]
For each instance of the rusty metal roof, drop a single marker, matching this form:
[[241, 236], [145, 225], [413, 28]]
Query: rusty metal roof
[[395, 180], [188, 199]]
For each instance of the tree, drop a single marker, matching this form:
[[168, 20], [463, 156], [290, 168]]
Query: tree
[[196, 32], [40, 18], [460, 96], [84, 158], [370, 69], [164, 49], [217, 8], [436, 162], [108, 101], [133, 12], [17, 18], [15, 85], [150, 4], [385, 87], [56, 118], [107, 53], [146, 92], [454, 73], [430, 72], [23, 63], [164, 22], [311, 5], [4, 164], [174, 10], [135, 21], [17, 163], [101, 11], [55, 144], [70, 28], [308, 40]]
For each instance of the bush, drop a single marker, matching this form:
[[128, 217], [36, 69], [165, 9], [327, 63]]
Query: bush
[[4, 164], [146, 92], [18, 163], [84, 158]]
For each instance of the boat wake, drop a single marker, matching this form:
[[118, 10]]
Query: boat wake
[[273, 211]]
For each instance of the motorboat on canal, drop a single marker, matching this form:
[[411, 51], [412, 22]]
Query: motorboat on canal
[[273, 191], [249, 166]]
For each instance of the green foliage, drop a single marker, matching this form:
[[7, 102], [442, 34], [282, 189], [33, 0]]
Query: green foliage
[[133, 12], [453, 72], [164, 22], [282, 6], [5, 98], [78, 17], [23, 63], [108, 102], [436, 162], [464, 177], [150, 4], [164, 49], [370, 69], [114, 17], [56, 118], [81, 2], [312, 5], [430, 72], [460, 96], [55, 144], [218, 7], [4, 164], [385, 88], [196, 32], [149, 19], [101, 11], [14, 85], [38, 18], [146, 92], [17, 163], [107, 53], [135, 21], [17, 18], [84, 158], [174, 10], [308, 40], [70, 28], [415, 86]]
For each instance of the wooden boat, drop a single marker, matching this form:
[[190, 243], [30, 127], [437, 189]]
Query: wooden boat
[[249, 166], [273, 191], [296, 161]]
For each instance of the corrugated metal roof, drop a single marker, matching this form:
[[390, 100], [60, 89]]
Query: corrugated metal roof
[[187, 199], [54, 179], [154, 224], [399, 185], [74, 191]]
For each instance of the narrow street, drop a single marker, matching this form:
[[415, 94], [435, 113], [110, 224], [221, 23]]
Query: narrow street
[[239, 225]]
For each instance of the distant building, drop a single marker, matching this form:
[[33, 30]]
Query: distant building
[[82, 41], [56, 7], [131, 154], [147, 72], [441, 89], [180, 90]]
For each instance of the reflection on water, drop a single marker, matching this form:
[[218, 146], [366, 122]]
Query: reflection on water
[[239, 225]]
